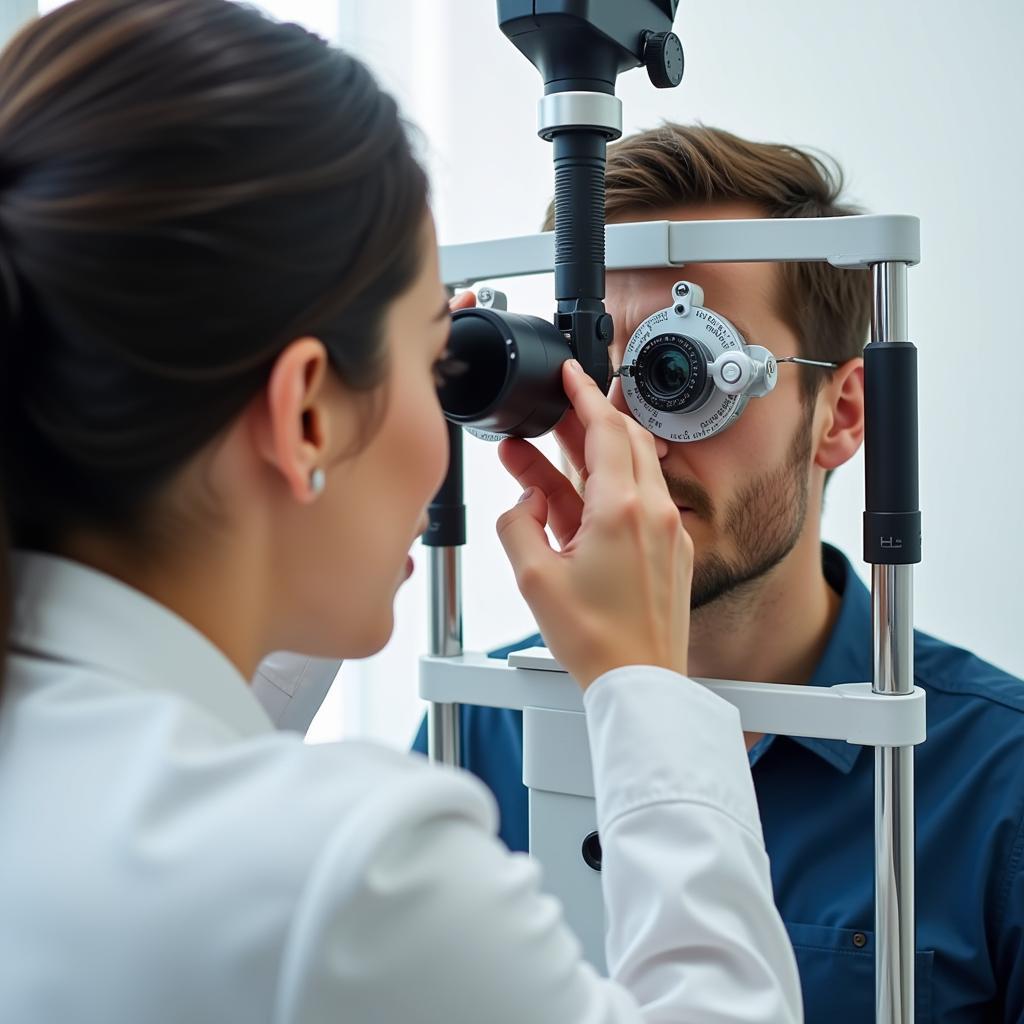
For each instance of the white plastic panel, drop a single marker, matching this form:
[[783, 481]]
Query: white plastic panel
[[853, 242], [558, 825], [533, 679]]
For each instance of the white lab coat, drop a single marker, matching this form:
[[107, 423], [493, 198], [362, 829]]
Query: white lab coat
[[291, 687], [166, 855]]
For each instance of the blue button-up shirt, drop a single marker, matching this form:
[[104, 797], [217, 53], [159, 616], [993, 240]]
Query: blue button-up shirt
[[816, 800]]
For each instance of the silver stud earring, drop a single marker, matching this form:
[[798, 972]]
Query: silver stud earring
[[317, 482]]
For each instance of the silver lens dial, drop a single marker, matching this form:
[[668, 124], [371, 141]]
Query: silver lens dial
[[665, 377]]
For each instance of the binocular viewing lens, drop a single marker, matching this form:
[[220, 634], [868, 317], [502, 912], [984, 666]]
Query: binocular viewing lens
[[478, 348], [669, 373], [509, 373]]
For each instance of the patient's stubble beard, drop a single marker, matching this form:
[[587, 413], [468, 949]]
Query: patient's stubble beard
[[764, 521]]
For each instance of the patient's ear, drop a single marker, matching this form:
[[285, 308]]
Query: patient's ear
[[839, 416]]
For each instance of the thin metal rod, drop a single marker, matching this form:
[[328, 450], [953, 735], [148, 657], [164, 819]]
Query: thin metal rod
[[445, 642], [892, 594], [806, 362]]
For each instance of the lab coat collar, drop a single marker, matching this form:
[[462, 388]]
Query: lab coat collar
[[67, 612]]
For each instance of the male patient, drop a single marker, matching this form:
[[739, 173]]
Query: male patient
[[772, 603]]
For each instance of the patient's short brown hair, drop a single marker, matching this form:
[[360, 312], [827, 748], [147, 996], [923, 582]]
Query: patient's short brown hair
[[828, 309]]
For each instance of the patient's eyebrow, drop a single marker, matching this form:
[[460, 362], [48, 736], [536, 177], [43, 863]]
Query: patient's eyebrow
[[742, 328]]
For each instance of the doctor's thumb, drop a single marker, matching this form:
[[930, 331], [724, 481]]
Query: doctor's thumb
[[521, 532]]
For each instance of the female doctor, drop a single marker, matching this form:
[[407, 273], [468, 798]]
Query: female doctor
[[222, 323]]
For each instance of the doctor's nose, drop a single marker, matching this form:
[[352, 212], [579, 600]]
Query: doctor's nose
[[617, 399]]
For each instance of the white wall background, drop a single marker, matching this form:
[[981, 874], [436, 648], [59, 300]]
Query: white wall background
[[920, 101]]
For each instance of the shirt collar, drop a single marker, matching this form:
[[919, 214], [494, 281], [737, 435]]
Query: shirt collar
[[847, 656], [66, 612]]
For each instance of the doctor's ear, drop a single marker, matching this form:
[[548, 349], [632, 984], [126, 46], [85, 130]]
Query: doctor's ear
[[839, 416], [298, 427]]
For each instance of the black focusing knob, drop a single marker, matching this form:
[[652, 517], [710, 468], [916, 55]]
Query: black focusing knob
[[663, 56]]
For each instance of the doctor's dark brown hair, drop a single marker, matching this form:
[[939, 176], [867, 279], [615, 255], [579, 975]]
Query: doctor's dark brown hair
[[186, 186]]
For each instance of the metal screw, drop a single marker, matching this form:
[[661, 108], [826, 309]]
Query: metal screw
[[680, 310], [485, 295], [682, 289]]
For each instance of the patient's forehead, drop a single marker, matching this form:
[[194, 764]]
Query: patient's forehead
[[745, 293], [731, 209]]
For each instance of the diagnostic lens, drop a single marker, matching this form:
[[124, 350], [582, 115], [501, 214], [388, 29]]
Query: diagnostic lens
[[510, 379], [670, 373], [478, 344]]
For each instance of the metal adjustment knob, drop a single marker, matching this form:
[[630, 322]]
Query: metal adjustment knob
[[663, 56], [731, 372], [491, 298]]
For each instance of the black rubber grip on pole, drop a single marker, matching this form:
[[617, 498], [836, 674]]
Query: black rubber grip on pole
[[579, 214], [892, 519], [447, 512]]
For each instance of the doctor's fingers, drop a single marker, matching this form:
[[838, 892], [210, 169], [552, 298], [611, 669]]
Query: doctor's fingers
[[570, 435], [521, 532], [657, 514], [532, 469], [607, 447], [647, 466]]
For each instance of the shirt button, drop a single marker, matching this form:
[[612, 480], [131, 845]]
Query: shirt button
[[860, 940]]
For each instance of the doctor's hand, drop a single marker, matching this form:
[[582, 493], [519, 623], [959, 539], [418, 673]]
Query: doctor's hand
[[618, 591]]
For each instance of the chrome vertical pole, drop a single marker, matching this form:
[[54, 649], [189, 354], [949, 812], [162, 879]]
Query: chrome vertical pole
[[892, 531], [445, 642], [445, 536]]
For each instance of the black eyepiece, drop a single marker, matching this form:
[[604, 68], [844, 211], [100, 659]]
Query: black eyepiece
[[511, 382]]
